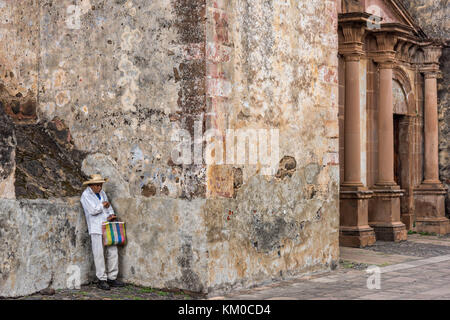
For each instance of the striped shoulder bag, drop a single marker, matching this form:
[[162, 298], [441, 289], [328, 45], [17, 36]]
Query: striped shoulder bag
[[114, 233]]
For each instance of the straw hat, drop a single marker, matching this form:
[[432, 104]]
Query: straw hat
[[95, 178]]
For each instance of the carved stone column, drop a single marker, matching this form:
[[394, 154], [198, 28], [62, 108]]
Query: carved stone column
[[430, 195], [407, 201], [384, 211], [354, 228]]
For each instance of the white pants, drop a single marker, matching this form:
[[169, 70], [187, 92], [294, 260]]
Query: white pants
[[112, 259]]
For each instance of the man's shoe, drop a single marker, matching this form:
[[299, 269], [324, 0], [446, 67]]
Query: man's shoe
[[102, 284], [116, 283]]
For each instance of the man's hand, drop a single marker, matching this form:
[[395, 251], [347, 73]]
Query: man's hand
[[106, 204], [112, 217]]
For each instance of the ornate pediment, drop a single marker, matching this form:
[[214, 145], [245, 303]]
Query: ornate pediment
[[383, 12]]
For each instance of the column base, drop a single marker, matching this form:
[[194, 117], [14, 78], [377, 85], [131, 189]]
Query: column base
[[439, 226], [390, 232], [408, 220], [354, 230], [384, 213], [357, 237], [429, 200]]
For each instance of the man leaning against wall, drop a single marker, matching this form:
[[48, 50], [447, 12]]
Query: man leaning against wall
[[97, 210]]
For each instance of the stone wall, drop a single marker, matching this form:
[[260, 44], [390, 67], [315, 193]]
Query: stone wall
[[43, 244], [172, 243], [444, 124], [7, 156], [433, 16], [274, 67], [123, 84]]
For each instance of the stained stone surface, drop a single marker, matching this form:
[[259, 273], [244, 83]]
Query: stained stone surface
[[431, 15], [47, 165], [43, 243], [7, 155], [111, 87]]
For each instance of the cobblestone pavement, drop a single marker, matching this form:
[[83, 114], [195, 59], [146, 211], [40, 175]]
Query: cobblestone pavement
[[129, 292], [417, 245], [415, 269], [421, 270]]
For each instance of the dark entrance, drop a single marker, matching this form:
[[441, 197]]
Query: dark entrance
[[397, 155]]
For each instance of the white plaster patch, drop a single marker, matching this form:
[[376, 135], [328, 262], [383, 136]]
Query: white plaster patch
[[136, 155], [128, 80], [85, 6], [62, 98], [49, 109], [59, 78], [5, 14], [111, 95], [130, 73], [130, 38], [7, 189], [74, 13], [73, 19]]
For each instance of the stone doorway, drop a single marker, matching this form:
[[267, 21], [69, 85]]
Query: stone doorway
[[403, 152], [397, 154], [401, 167]]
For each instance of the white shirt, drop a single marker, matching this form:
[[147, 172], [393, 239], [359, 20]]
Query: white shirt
[[94, 211]]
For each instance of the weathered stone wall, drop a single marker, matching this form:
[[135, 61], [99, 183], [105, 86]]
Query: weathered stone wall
[[444, 124], [45, 242], [433, 16], [117, 78], [167, 245], [280, 73], [42, 245], [115, 72], [18, 80], [7, 156]]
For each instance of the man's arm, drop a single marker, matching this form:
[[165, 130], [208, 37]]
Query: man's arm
[[109, 210], [91, 207]]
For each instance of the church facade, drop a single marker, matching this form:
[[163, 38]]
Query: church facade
[[389, 130]]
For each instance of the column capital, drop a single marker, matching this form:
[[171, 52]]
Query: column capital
[[385, 54], [353, 32], [431, 74], [352, 56], [430, 63], [386, 42], [385, 63], [432, 54], [352, 46]]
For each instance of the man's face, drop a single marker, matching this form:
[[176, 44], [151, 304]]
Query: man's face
[[97, 187]]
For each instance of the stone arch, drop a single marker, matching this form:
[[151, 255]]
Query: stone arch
[[402, 77], [404, 124]]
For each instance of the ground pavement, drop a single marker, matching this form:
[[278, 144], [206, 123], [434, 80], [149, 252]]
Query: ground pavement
[[415, 269]]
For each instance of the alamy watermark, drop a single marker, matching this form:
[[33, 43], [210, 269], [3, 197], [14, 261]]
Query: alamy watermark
[[245, 146], [374, 21], [73, 280], [374, 280]]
